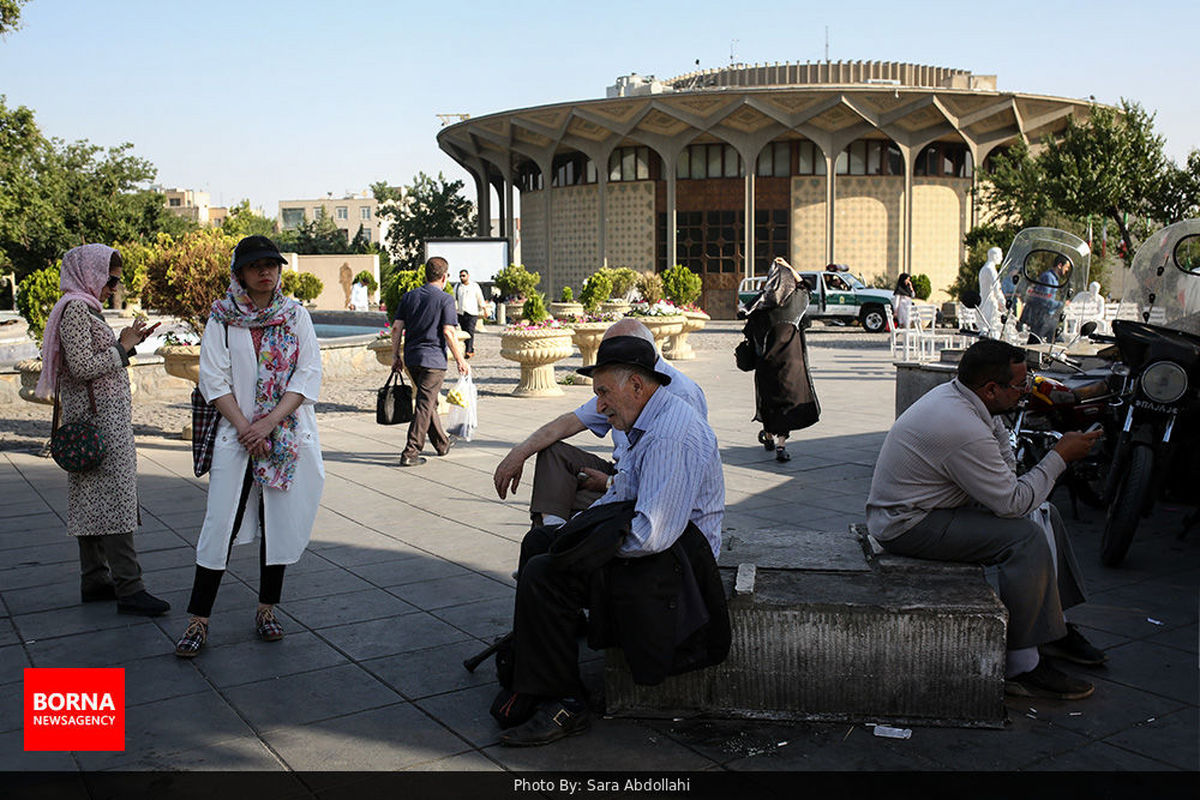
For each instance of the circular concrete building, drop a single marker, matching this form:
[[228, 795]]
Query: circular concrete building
[[869, 164]]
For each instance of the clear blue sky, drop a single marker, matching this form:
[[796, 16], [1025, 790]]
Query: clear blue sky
[[278, 100]]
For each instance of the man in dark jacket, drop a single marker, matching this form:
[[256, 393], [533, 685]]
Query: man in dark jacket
[[656, 586]]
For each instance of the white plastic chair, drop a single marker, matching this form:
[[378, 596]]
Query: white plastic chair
[[898, 338], [923, 319]]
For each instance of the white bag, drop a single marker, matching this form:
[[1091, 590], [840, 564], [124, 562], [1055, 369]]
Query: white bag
[[463, 418]]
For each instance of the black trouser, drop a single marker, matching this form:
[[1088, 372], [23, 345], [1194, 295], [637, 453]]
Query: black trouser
[[467, 323], [109, 560], [270, 578]]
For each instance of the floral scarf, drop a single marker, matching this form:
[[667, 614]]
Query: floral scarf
[[277, 357]]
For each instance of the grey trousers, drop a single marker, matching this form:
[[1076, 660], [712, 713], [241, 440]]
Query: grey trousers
[[427, 384], [1034, 596], [555, 488], [110, 559]]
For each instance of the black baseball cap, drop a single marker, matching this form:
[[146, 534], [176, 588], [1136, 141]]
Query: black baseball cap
[[630, 350], [252, 248]]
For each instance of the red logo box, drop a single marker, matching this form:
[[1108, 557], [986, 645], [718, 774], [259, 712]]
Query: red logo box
[[75, 709]]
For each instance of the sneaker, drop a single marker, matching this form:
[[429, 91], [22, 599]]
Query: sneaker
[[99, 594], [143, 604], [782, 455], [193, 639], [551, 722], [412, 461], [267, 627], [1073, 647], [1046, 681]]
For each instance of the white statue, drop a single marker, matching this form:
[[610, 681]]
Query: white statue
[[991, 297]]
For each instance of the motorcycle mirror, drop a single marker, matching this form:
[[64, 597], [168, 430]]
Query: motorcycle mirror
[[1087, 328], [970, 298]]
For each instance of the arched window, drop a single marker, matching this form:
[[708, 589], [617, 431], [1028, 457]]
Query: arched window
[[945, 160], [572, 169], [529, 177], [870, 157], [700, 161]]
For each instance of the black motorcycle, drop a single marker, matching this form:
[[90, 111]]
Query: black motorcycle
[[1155, 455]]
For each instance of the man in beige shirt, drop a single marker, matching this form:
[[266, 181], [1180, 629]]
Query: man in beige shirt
[[945, 489]]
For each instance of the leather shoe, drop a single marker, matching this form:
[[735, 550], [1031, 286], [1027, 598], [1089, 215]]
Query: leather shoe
[[1074, 647], [451, 440], [551, 722], [143, 604], [98, 594], [412, 461], [1048, 682]]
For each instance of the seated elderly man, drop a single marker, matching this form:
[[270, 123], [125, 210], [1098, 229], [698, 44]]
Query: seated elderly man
[[646, 571], [565, 478], [945, 488]]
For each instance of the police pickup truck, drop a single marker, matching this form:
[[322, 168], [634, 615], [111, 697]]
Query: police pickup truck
[[834, 294]]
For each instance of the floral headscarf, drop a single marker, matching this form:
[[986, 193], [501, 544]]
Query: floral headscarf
[[277, 357], [84, 273]]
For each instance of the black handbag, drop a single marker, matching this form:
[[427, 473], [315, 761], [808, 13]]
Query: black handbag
[[394, 402], [205, 418], [745, 357], [77, 446]]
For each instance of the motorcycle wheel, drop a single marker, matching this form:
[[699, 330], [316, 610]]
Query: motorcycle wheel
[[1125, 511]]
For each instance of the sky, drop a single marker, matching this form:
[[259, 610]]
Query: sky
[[292, 100]]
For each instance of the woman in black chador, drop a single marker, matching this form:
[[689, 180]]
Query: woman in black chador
[[784, 397]]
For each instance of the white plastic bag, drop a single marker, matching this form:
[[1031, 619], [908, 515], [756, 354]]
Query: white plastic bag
[[463, 418]]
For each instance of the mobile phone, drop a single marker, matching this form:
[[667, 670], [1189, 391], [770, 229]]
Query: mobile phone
[[152, 328]]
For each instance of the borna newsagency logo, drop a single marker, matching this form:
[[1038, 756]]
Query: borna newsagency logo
[[74, 709]]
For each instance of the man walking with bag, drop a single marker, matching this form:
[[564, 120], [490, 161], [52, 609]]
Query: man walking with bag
[[425, 321]]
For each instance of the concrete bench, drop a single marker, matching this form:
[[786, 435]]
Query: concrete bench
[[824, 629]]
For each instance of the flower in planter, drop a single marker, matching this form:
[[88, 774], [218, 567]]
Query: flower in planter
[[662, 308], [546, 324]]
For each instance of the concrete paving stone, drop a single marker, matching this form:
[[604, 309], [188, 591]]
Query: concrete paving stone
[[1183, 638], [1169, 739], [159, 731], [251, 660], [1099, 757], [42, 598], [830, 749], [388, 738], [163, 775], [466, 713], [153, 541], [1154, 668], [323, 612], [437, 670], [609, 742], [1132, 622], [292, 700], [160, 677], [182, 521], [8, 634], [14, 757], [179, 556], [13, 662], [369, 550], [12, 577], [56, 550], [1112, 708], [106, 648], [385, 637], [161, 582], [463, 762], [452, 591], [74, 619], [468, 546], [12, 708], [14, 510], [321, 583], [409, 570], [486, 619], [52, 531]]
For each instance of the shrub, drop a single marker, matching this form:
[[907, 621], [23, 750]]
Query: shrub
[[307, 287], [681, 286], [568, 296], [184, 277], [534, 309], [922, 287], [596, 289], [623, 279], [650, 286], [401, 281], [515, 281], [366, 279], [135, 262], [36, 295]]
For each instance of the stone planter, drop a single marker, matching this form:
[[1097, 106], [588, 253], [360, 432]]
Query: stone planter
[[182, 361], [678, 348], [586, 336], [31, 371], [566, 309], [512, 310], [536, 351], [617, 306], [663, 328]]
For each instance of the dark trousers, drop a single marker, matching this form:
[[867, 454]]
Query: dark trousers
[[425, 421], [467, 323], [270, 578], [109, 560], [555, 488]]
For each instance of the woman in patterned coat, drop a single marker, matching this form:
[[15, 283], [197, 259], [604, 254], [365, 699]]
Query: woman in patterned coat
[[260, 365], [83, 359]]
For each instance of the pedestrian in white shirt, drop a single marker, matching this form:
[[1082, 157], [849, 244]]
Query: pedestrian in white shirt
[[468, 298]]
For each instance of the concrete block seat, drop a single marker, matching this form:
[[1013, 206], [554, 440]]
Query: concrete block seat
[[826, 629]]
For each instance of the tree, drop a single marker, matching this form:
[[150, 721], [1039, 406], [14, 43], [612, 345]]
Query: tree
[[320, 236], [243, 221], [430, 207], [10, 15], [1179, 197]]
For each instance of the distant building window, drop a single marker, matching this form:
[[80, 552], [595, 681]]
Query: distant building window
[[366, 236], [945, 159], [365, 212], [342, 212], [571, 169], [174, 202], [529, 177], [291, 218], [317, 212], [775, 161], [809, 159], [700, 161], [870, 157], [629, 164]]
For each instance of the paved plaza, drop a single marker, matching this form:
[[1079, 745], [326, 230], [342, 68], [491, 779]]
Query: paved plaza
[[408, 573]]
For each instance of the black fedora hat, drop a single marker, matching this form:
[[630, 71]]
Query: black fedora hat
[[628, 350], [253, 248]]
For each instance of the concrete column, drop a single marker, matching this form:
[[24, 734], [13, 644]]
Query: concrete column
[[672, 220], [483, 205], [602, 205], [906, 228], [748, 232], [510, 228], [548, 283], [830, 165]]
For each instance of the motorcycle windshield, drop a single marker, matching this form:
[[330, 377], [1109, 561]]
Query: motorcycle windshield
[[1165, 274], [1044, 268]]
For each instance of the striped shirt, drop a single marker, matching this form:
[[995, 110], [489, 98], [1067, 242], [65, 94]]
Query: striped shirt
[[948, 451], [681, 386], [672, 468]]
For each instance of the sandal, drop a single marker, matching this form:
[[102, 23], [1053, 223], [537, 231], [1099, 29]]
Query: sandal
[[766, 440], [193, 639], [267, 627], [782, 455]]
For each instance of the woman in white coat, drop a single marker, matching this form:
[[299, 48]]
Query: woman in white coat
[[260, 365]]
